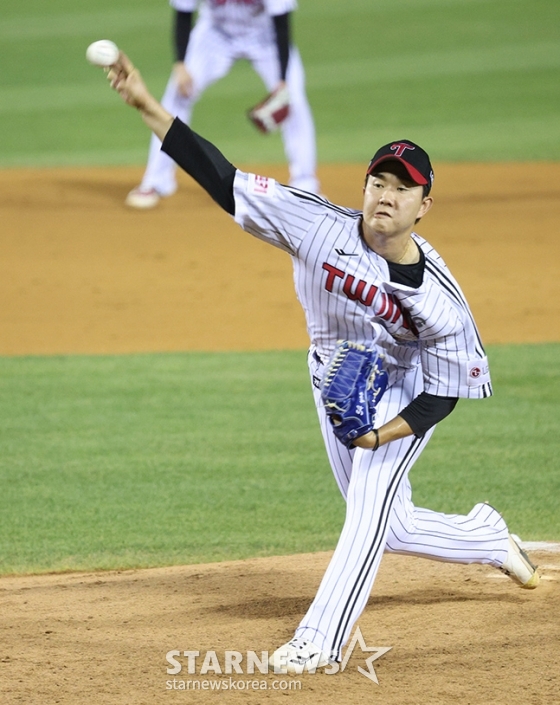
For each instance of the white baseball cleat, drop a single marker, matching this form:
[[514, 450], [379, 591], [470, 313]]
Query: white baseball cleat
[[142, 198], [297, 656], [519, 567]]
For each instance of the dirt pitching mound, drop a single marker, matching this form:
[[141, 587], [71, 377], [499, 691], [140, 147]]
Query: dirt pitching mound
[[457, 634]]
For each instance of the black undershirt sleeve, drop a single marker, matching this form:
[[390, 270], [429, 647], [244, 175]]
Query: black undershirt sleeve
[[203, 161], [426, 411], [282, 29], [181, 33]]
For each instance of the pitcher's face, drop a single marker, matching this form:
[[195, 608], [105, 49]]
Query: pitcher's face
[[392, 203]]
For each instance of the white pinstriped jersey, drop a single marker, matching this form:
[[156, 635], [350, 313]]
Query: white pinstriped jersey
[[238, 17], [346, 291]]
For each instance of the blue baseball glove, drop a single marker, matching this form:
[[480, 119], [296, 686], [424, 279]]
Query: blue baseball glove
[[353, 383]]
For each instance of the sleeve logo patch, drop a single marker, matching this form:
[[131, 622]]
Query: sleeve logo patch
[[478, 372], [261, 185]]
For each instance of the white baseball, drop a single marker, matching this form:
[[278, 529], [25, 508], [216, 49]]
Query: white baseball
[[102, 53]]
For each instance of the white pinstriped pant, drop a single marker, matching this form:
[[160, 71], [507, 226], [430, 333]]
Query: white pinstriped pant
[[210, 56], [380, 517]]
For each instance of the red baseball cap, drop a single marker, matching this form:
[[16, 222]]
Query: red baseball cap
[[414, 158]]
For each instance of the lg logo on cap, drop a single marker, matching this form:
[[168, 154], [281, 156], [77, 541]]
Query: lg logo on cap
[[399, 147]]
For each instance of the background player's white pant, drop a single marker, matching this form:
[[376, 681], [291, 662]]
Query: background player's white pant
[[210, 56], [380, 516]]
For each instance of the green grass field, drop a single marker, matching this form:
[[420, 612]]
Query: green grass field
[[468, 79], [143, 460], [146, 459]]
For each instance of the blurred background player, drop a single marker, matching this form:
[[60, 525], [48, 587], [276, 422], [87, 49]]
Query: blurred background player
[[227, 31]]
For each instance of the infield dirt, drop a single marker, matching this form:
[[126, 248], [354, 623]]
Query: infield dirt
[[81, 274]]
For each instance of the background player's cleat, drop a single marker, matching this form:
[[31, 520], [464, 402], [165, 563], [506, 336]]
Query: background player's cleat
[[519, 567], [297, 656], [142, 198]]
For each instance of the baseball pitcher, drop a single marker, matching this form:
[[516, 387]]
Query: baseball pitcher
[[393, 347]]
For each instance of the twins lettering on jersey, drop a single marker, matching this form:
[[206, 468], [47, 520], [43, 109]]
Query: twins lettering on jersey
[[387, 307]]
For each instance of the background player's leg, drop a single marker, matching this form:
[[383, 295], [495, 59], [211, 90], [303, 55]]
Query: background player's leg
[[208, 59], [479, 537], [298, 130], [160, 174]]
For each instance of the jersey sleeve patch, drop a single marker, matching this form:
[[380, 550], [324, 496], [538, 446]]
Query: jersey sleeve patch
[[261, 186], [478, 372]]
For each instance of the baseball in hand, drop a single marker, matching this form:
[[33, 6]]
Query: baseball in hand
[[102, 53]]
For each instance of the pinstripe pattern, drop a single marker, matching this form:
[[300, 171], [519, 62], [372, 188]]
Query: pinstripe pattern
[[381, 517], [346, 292], [430, 343]]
